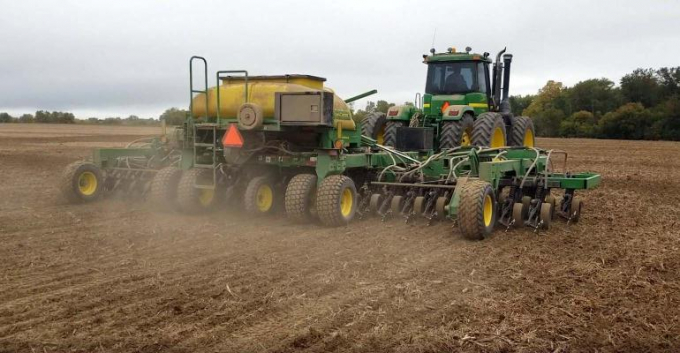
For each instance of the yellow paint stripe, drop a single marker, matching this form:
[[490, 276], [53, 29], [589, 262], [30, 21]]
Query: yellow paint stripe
[[479, 105], [426, 105]]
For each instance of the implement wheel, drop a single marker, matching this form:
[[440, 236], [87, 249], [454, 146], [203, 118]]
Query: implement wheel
[[391, 132], [300, 198], [336, 200], [519, 213], [457, 133], [547, 210], [260, 196], [419, 205], [192, 199], [397, 204], [523, 132], [81, 182], [373, 126], [477, 210], [163, 192], [489, 131]]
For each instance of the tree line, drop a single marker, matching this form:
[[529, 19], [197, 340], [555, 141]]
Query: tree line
[[645, 105], [56, 117]]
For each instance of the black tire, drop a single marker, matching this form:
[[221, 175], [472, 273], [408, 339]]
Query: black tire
[[522, 127], [331, 200], [391, 133], [163, 191], [485, 127], [300, 197], [81, 182], [373, 126], [191, 199], [477, 210], [260, 196], [453, 131]]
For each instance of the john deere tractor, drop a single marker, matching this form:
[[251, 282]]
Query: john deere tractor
[[466, 102]]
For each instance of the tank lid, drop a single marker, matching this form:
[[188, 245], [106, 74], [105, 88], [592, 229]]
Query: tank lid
[[274, 77]]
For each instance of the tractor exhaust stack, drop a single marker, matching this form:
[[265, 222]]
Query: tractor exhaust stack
[[505, 103]]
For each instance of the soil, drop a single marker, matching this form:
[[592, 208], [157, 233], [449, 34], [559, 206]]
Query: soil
[[119, 276]]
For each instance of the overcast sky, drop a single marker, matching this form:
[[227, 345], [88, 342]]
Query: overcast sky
[[116, 58]]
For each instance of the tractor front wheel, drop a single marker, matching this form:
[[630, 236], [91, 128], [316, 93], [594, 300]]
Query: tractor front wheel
[[391, 133], [336, 200], [477, 211], [373, 126], [457, 133], [489, 131], [523, 132], [82, 182]]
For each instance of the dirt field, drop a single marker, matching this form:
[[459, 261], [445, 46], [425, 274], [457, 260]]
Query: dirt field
[[119, 277]]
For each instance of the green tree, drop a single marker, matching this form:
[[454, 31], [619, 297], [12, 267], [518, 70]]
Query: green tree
[[546, 109], [579, 124], [669, 80], [594, 95], [174, 116], [6, 118], [519, 103], [382, 106], [641, 86], [631, 122], [26, 118]]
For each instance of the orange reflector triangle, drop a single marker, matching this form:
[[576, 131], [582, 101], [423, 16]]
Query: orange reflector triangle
[[233, 137], [444, 106]]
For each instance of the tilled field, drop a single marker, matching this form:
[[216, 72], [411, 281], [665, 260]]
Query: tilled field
[[116, 276]]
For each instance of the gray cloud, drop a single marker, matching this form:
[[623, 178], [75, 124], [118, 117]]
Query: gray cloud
[[130, 57]]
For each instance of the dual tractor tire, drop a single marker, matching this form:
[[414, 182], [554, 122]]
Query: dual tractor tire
[[391, 127], [523, 132], [373, 126], [489, 131], [457, 133]]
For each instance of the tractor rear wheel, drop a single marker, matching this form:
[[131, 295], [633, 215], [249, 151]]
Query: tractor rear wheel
[[477, 211], [489, 131], [391, 133], [260, 196], [300, 198], [82, 182], [373, 126], [457, 133], [523, 132], [192, 199], [336, 200], [163, 192]]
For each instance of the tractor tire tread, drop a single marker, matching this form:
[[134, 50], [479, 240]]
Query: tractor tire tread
[[471, 209], [390, 137], [163, 191], [327, 199], [297, 200], [520, 124], [452, 131], [484, 126]]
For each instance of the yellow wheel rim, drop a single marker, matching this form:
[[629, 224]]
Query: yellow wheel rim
[[528, 138], [265, 198], [380, 138], [466, 140], [346, 202], [488, 210], [205, 197], [498, 138], [87, 183]]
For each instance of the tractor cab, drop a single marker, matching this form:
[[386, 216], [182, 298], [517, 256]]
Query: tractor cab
[[457, 79]]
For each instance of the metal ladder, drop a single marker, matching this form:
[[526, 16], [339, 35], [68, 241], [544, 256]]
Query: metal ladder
[[196, 127]]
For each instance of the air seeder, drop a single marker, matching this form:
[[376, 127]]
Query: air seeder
[[288, 142]]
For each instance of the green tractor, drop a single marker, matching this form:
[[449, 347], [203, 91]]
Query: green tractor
[[462, 105]]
